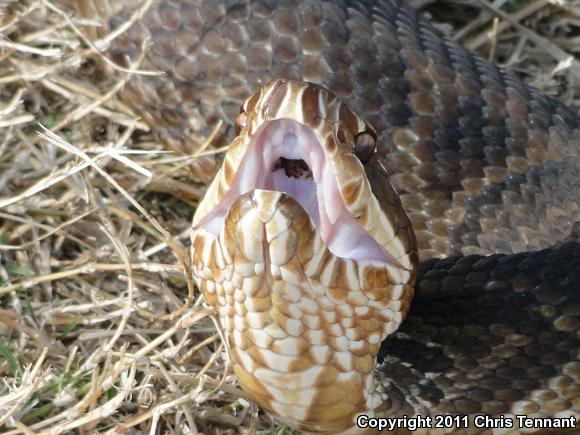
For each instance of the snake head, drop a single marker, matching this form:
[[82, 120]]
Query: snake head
[[308, 266]]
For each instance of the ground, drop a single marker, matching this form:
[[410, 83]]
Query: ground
[[101, 328]]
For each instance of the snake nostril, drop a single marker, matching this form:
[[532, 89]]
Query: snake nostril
[[241, 123]]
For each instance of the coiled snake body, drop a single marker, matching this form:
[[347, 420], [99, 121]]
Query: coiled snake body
[[488, 171]]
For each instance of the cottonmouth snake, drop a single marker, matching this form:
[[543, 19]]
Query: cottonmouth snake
[[488, 171]]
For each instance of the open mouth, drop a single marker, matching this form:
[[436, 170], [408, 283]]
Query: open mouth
[[285, 156]]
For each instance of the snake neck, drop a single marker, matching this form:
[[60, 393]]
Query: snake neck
[[311, 395]]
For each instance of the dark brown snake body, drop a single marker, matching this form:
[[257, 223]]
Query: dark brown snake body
[[488, 170]]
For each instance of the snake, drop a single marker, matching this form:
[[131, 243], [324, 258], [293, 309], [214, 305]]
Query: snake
[[393, 232]]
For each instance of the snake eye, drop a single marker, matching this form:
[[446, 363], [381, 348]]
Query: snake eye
[[364, 146], [240, 123]]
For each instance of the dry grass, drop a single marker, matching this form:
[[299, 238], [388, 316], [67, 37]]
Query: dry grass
[[101, 329]]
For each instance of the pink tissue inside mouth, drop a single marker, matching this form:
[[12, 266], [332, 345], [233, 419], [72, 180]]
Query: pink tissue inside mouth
[[316, 190]]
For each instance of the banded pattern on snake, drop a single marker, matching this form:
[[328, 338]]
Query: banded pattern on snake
[[484, 166]]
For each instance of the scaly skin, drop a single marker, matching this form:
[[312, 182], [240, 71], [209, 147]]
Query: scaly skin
[[455, 131], [490, 335], [304, 325], [484, 165]]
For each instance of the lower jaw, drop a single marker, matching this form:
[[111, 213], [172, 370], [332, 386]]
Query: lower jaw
[[303, 343]]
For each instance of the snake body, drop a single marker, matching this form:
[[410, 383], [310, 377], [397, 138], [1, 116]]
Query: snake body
[[488, 171], [308, 274]]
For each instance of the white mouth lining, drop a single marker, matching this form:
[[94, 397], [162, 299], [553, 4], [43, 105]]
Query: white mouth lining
[[319, 196]]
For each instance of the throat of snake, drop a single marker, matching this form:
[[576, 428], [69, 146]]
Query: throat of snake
[[285, 156]]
